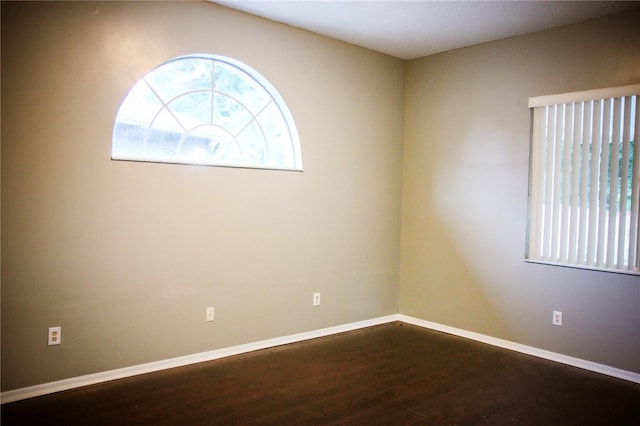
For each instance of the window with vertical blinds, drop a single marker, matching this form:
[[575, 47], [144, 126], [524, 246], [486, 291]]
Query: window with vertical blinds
[[584, 184]]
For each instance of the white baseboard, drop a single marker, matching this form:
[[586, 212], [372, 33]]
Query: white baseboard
[[529, 350], [90, 379]]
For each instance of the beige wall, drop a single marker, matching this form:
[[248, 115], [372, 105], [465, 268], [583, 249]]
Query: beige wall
[[465, 193], [126, 256]]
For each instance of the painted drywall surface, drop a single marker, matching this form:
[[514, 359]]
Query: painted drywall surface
[[465, 193], [126, 256]]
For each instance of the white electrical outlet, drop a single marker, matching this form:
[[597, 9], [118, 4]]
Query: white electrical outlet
[[316, 299], [210, 315], [55, 336], [557, 318]]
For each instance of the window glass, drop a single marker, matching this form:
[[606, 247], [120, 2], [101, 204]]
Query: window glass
[[209, 110]]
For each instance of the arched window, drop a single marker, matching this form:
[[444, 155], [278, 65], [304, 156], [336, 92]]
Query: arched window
[[208, 110]]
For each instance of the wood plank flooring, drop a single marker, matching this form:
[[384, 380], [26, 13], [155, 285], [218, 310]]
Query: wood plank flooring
[[393, 374]]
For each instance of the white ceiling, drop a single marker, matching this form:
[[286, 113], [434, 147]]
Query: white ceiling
[[412, 29]]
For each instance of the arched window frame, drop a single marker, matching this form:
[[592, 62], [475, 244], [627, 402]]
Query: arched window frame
[[291, 159]]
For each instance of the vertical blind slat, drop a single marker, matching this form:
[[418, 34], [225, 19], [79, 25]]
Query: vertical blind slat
[[634, 229], [537, 182], [557, 182], [584, 183], [548, 184], [602, 187], [614, 167], [576, 143], [593, 184], [565, 195], [623, 213]]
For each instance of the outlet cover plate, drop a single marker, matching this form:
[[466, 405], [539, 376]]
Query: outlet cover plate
[[557, 318], [55, 336]]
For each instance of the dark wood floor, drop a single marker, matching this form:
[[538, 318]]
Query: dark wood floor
[[394, 374]]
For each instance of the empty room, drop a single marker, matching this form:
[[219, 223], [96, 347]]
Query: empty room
[[379, 212]]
